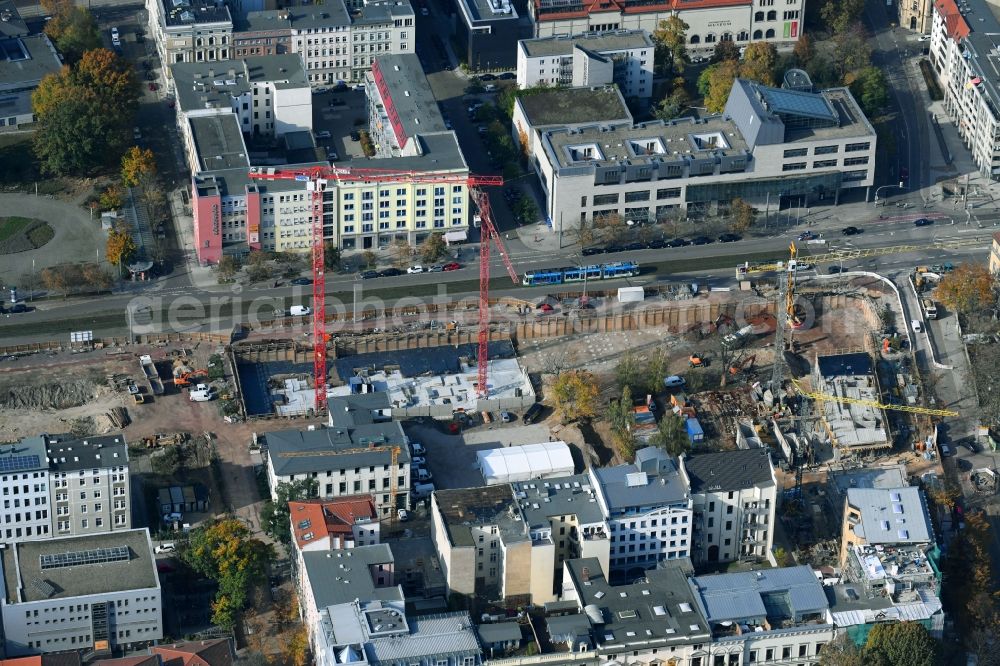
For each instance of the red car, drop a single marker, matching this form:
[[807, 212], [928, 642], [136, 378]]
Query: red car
[[453, 266]]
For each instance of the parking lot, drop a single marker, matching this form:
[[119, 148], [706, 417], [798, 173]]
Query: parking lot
[[452, 458], [340, 113]]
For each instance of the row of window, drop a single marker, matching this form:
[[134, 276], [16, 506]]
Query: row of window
[[828, 150], [799, 166], [120, 521], [633, 559], [16, 532], [773, 15]]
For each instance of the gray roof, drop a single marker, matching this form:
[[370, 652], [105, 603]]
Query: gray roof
[[499, 632], [269, 20], [219, 142], [658, 608], [463, 508], [26, 60], [892, 476], [11, 24], [654, 481], [560, 496], [69, 454], [341, 576], [348, 411], [383, 12], [574, 106], [891, 515], [729, 470], [22, 570], [980, 46], [787, 593], [215, 84], [27, 455], [568, 626], [409, 92], [488, 10], [190, 12], [430, 636], [329, 14], [601, 42], [325, 443]]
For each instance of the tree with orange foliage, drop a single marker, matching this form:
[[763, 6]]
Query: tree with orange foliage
[[138, 167], [967, 288], [73, 29], [111, 78]]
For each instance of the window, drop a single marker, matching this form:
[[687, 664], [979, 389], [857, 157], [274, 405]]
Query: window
[[823, 164], [793, 166], [639, 195], [825, 150], [796, 152], [854, 161], [668, 193], [856, 147], [605, 199]]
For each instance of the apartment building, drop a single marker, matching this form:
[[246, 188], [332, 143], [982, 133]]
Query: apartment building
[[886, 517], [25, 59], [735, 496], [337, 43], [234, 213], [190, 31], [623, 57], [709, 21], [776, 615], [322, 525], [565, 522], [482, 542], [648, 507], [400, 105], [58, 486], [90, 487], [961, 51], [96, 592], [769, 145], [915, 15], [344, 462]]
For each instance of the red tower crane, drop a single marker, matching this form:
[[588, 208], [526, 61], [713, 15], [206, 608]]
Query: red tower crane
[[317, 178]]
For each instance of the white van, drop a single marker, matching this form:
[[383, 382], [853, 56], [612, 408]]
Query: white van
[[299, 311], [201, 393]]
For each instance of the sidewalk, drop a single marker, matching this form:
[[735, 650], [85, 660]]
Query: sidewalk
[[202, 277]]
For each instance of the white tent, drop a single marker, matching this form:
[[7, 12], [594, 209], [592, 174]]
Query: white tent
[[521, 463]]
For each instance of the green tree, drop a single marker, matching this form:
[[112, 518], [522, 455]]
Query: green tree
[[73, 30], [841, 651], [575, 395], [671, 435], [968, 288], [670, 39], [621, 418], [655, 370], [725, 49], [853, 50], [900, 644], [111, 198], [526, 210], [401, 253], [871, 90], [75, 138], [628, 371], [841, 15], [433, 248], [331, 256], [227, 267], [275, 516], [804, 51], [669, 108], [369, 259], [257, 266], [758, 64], [743, 215], [720, 82], [226, 552], [112, 79]]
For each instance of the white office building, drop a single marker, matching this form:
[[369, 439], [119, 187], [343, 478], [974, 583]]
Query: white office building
[[623, 57], [648, 506], [98, 592], [770, 145]]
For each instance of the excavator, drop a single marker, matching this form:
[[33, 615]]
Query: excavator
[[185, 376]]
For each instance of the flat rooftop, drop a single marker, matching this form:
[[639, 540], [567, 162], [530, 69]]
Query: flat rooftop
[[850, 606], [26, 60], [427, 637], [575, 106], [303, 451], [341, 576], [465, 508], [890, 476], [761, 598], [893, 516], [216, 85], [11, 23], [653, 480], [402, 86], [190, 12], [489, 10], [78, 566], [558, 496], [218, 142], [562, 45], [854, 426], [647, 142]]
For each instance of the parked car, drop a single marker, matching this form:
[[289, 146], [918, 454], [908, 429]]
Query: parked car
[[506, 417], [922, 222], [418, 461], [674, 381], [299, 311], [916, 326], [636, 245], [452, 266], [302, 281], [657, 244], [165, 547], [368, 275], [332, 156], [415, 269], [171, 517], [850, 231], [424, 11], [136, 134], [803, 266], [488, 77], [319, 90], [729, 238], [677, 242], [436, 268], [417, 448], [322, 135], [355, 135], [588, 251], [807, 236], [403, 515], [507, 76], [389, 272], [532, 413], [701, 240], [836, 268]]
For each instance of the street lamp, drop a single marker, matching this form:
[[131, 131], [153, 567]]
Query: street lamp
[[879, 189]]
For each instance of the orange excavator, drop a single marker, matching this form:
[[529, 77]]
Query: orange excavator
[[186, 379]]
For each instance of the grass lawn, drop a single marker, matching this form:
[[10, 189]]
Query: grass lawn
[[10, 226]]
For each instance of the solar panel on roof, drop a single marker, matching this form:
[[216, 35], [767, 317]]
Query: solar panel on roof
[[18, 463], [78, 558], [783, 101]]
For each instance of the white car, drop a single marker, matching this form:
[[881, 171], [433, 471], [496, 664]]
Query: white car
[[417, 448], [171, 517], [166, 547], [803, 266], [924, 38], [418, 460], [403, 515], [415, 269], [916, 326], [674, 381], [299, 311]]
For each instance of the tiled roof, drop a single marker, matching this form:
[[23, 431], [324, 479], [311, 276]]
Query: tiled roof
[[312, 519], [216, 652]]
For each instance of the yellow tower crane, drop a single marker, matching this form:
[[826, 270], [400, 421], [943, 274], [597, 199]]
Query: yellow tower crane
[[926, 411], [393, 482]]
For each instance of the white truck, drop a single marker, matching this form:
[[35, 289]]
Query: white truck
[[151, 375], [202, 393], [631, 294]]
